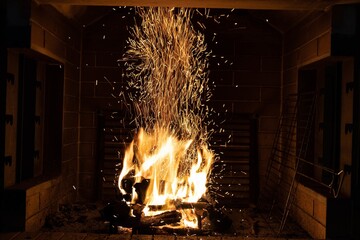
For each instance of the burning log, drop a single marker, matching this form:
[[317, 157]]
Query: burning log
[[161, 219], [181, 205]]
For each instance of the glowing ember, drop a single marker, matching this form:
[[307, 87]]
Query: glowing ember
[[166, 62]]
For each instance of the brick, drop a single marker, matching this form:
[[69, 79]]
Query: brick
[[86, 194], [72, 55], [88, 165], [314, 228], [270, 64], [237, 93], [269, 109], [37, 35], [55, 23], [69, 151], [46, 198], [108, 59], [71, 103], [68, 167], [107, 34], [264, 48], [258, 37], [291, 59], [113, 74], [266, 139], [224, 46], [221, 62], [88, 134], [66, 187], [319, 231], [257, 78], [72, 72], [105, 89], [308, 51], [105, 41], [248, 107], [290, 76], [260, 108], [54, 45], [87, 119], [32, 205], [264, 154], [88, 59], [320, 211], [324, 44], [221, 77], [37, 186], [71, 87], [289, 89], [70, 119], [247, 62], [86, 150], [73, 38], [70, 135], [305, 202], [87, 183], [73, 166], [92, 104], [221, 107], [87, 89], [270, 94], [268, 124], [303, 33], [320, 25]]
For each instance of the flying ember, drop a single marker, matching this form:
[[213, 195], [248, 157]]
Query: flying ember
[[167, 64]]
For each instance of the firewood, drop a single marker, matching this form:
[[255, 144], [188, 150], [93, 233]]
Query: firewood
[[160, 219]]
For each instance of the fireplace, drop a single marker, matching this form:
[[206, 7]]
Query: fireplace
[[67, 117]]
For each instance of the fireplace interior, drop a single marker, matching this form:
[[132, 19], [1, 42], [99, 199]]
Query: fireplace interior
[[283, 116]]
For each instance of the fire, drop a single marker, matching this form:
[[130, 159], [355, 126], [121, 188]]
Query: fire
[[173, 174], [169, 155]]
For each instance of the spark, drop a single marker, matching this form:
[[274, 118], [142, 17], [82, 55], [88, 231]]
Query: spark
[[166, 63], [169, 72]]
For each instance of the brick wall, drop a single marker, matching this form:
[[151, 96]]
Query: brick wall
[[250, 85], [103, 45], [307, 43], [52, 35]]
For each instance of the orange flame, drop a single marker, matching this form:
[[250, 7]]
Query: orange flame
[[169, 79], [169, 165]]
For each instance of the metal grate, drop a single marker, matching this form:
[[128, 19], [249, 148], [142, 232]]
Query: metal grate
[[290, 145], [234, 168], [115, 133]]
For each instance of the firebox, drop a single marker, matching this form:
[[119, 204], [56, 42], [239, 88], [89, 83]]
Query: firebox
[[187, 119]]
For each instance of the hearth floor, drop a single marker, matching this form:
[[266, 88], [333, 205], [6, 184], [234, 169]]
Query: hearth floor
[[83, 222], [93, 236]]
